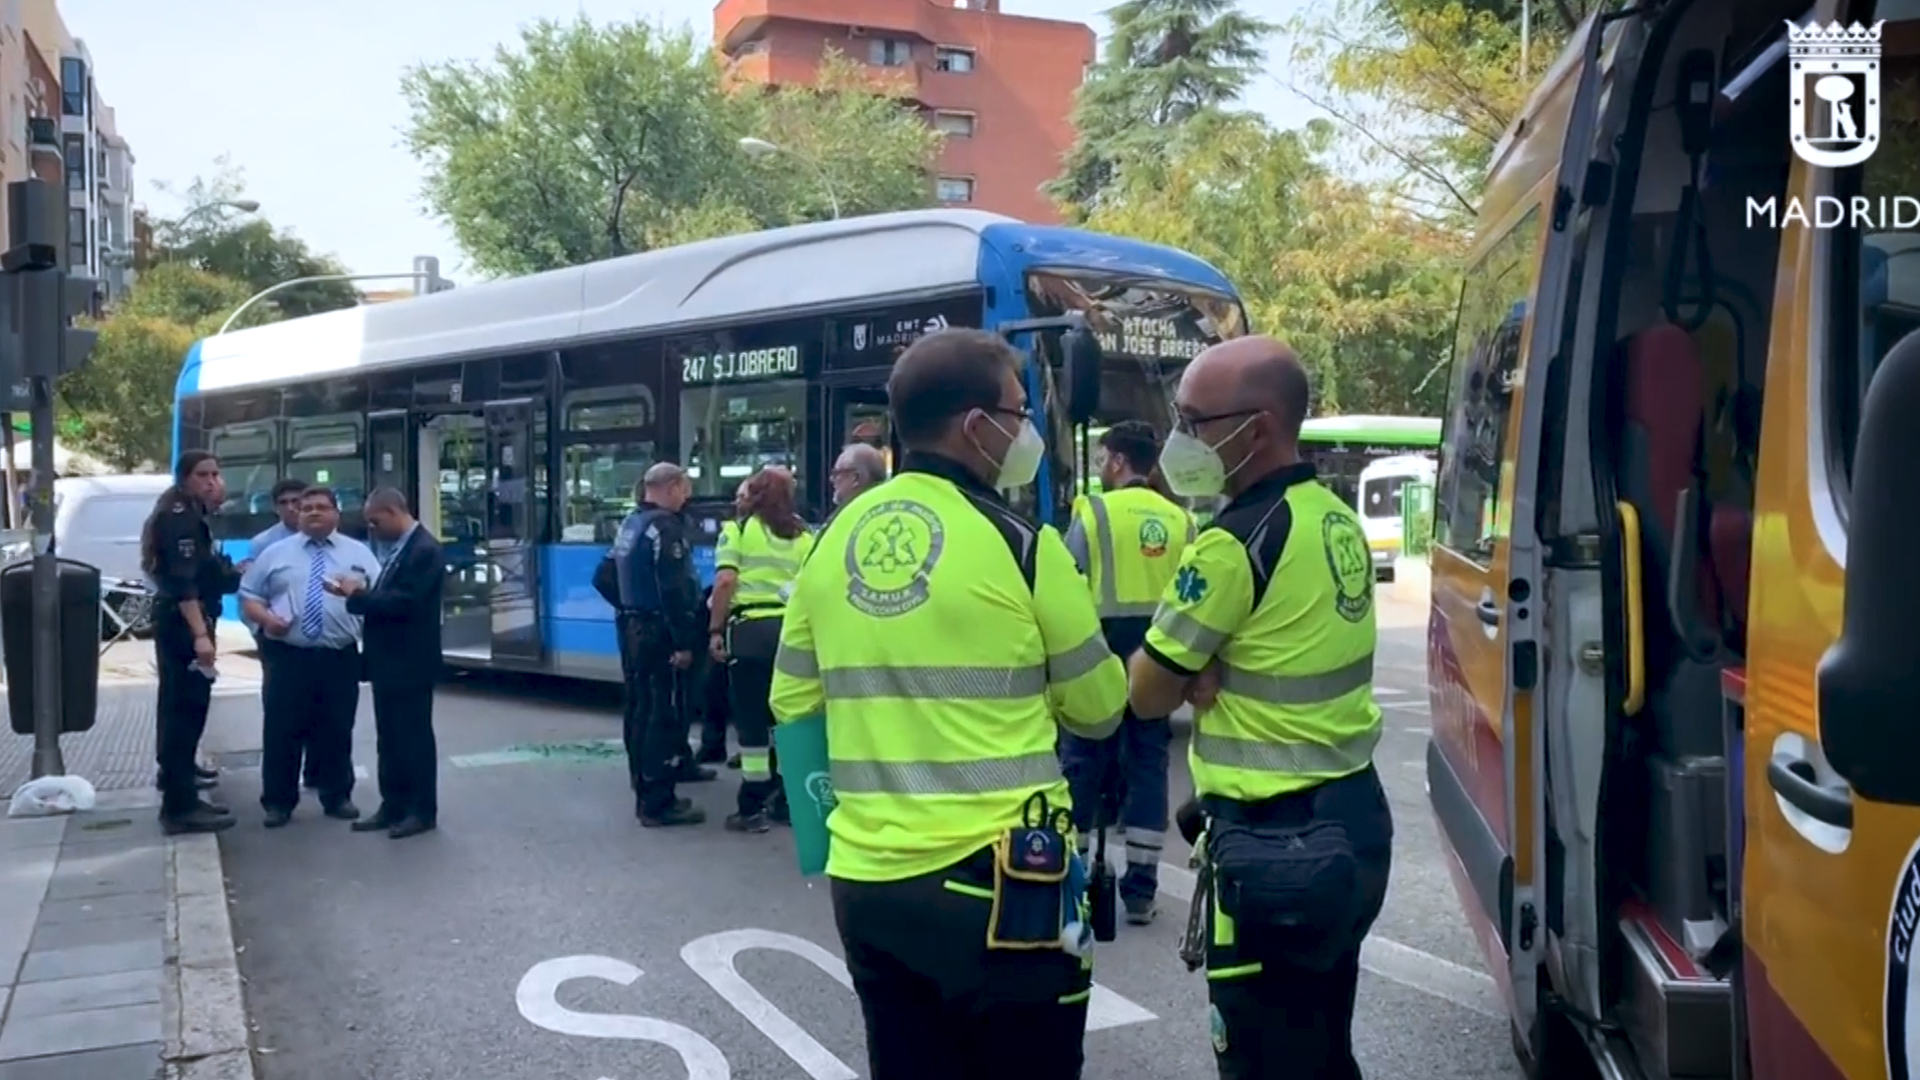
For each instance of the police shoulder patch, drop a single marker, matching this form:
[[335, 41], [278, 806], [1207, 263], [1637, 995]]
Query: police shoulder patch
[[890, 555], [1350, 564], [1901, 1015]]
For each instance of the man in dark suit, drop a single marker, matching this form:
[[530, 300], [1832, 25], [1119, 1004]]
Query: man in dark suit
[[401, 609]]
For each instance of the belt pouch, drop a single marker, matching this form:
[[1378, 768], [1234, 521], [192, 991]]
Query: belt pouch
[[1029, 881], [1293, 893]]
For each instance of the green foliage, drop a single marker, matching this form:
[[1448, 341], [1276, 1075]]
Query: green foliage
[[122, 400], [1426, 88], [1166, 63], [584, 142], [1363, 290], [214, 235]]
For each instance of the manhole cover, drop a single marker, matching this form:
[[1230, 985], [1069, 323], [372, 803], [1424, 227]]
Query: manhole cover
[[103, 826], [602, 750]]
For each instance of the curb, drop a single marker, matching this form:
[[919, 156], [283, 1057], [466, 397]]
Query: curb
[[203, 1003]]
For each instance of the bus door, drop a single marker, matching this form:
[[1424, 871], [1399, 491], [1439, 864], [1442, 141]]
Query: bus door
[[512, 548], [387, 454], [451, 493], [859, 414], [1483, 659]]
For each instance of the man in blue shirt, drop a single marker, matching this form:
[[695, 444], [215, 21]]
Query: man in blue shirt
[[659, 628], [310, 655], [286, 503]]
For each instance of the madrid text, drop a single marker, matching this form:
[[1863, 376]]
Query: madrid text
[[1866, 213]]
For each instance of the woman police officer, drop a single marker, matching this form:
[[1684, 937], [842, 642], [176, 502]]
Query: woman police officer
[[191, 576]]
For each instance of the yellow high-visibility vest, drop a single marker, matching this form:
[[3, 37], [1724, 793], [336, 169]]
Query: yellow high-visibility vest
[[1135, 537], [940, 670], [1296, 701], [766, 566]]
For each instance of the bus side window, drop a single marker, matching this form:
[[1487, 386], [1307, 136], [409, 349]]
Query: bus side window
[[250, 464], [1468, 517], [1875, 290]]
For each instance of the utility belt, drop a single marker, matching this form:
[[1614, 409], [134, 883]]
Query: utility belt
[[753, 631], [1043, 895], [1275, 880]]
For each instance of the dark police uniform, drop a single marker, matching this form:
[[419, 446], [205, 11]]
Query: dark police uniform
[[659, 616], [188, 568], [1278, 592]]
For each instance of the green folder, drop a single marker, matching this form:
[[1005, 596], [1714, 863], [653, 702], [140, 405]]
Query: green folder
[[804, 772]]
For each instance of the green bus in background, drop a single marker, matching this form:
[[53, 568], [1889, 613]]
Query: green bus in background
[[1340, 447]]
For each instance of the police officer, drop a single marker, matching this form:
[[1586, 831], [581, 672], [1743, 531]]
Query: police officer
[[716, 679], [1127, 539], [942, 634], [178, 553], [754, 572], [659, 631], [1268, 627]]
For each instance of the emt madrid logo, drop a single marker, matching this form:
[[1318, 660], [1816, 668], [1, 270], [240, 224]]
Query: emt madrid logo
[[1835, 92]]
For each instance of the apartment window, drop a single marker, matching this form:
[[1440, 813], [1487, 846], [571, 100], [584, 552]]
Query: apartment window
[[956, 125], [889, 52], [954, 189], [750, 47], [77, 226], [947, 58], [73, 86], [73, 150]]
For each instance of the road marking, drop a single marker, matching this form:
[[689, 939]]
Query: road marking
[[537, 998], [1403, 705], [1388, 691], [1403, 964]]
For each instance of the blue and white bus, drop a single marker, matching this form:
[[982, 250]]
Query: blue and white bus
[[518, 414]]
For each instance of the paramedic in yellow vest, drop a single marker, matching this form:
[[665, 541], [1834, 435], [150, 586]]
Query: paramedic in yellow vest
[[754, 571], [714, 701], [943, 635], [1127, 539], [1268, 628]]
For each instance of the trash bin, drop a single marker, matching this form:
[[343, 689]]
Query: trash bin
[[79, 643]]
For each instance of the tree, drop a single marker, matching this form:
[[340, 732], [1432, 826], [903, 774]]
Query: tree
[[215, 236], [1166, 63], [1363, 291], [586, 142], [123, 398], [1428, 87]]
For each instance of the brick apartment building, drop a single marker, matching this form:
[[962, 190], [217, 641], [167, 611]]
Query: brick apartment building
[[46, 74], [999, 86]]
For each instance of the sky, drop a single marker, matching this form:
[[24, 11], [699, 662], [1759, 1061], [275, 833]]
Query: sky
[[305, 99]]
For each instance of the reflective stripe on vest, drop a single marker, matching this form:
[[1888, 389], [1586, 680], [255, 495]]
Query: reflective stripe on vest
[[1146, 582], [1296, 706], [765, 566]]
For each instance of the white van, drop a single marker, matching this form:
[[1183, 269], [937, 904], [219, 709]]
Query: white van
[[1381, 485]]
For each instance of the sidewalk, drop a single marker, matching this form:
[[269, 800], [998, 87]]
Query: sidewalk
[[116, 950]]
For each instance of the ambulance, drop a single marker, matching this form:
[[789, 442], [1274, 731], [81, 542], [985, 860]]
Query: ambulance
[[1674, 646]]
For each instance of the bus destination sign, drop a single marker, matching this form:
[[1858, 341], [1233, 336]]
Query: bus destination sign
[[744, 365], [1149, 339]]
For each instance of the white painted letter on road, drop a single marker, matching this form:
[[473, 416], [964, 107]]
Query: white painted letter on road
[[712, 958], [538, 999]]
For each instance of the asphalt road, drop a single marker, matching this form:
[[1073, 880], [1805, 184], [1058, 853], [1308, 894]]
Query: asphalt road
[[542, 934]]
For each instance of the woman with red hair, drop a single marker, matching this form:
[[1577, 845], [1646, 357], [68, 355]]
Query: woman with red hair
[[754, 570]]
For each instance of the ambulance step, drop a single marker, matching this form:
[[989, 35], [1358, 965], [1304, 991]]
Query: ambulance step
[[1677, 1014]]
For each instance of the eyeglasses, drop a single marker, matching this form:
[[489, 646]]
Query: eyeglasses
[[1188, 422], [1021, 413]]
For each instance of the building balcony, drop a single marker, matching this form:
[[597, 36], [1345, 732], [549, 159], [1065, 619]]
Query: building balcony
[[797, 69], [735, 21]]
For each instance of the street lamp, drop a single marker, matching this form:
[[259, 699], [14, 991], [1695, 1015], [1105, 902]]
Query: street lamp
[[760, 148], [426, 269]]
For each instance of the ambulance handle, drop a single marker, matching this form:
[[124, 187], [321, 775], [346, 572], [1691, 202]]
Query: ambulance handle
[[1489, 613], [1794, 779], [1636, 613]]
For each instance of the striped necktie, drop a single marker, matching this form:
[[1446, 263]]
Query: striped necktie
[[312, 614]]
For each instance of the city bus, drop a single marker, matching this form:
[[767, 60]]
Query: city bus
[[1341, 447], [519, 414], [1673, 665]]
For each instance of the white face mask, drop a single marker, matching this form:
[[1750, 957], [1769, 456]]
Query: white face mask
[[1022, 462], [1193, 468]]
